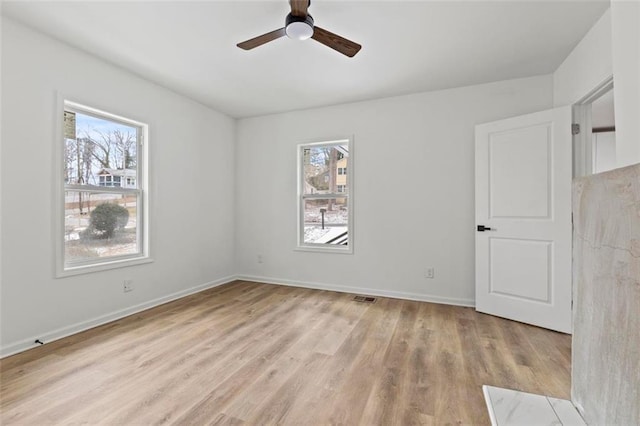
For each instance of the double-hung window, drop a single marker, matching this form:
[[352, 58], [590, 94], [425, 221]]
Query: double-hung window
[[325, 196], [103, 195]]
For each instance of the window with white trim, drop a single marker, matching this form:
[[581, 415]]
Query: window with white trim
[[325, 196], [103, 198]]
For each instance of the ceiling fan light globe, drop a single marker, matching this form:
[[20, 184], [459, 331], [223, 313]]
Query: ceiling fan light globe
[[298, 27], [299, 30]]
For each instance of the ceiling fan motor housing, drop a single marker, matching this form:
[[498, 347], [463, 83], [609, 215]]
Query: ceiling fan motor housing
[[299, 27]]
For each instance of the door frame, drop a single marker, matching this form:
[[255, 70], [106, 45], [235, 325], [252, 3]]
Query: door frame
[[582, 142], [582, 153]]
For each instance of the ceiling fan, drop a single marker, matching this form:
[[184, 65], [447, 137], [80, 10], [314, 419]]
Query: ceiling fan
[[299, 25]]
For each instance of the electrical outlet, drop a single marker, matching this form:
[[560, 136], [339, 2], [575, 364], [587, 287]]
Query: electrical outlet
[[128, 286], [429, 272]]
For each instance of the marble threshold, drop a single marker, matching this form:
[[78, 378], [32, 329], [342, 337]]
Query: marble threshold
[[510, 408]]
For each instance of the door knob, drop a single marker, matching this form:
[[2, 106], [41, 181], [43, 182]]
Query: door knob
[[482, 228]]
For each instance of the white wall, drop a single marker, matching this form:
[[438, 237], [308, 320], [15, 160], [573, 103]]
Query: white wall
[[192, 164], [414, 190], [625, 16], [610, 48], [604, 151], [587, 66]]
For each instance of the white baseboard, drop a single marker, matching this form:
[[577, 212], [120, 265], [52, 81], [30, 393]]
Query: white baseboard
[[360, 290], [50, 336], [60, 333]]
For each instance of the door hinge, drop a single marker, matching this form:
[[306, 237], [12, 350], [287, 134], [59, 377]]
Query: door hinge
[[575, 129]]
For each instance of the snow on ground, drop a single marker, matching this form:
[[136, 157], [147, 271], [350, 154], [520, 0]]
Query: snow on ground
[[334, 232], [314, 233], [336, 216]]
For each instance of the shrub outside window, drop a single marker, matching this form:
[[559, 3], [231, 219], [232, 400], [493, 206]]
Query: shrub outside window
[[325, 196], [104, 198]]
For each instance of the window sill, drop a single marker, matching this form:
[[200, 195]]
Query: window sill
[[116, 264], [320, 249]]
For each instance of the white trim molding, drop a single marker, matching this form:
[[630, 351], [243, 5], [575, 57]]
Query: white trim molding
[[64, 267], [53, 335], [361, 290], [348, 195]]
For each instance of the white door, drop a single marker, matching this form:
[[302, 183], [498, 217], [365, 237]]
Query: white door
[[523, 194]]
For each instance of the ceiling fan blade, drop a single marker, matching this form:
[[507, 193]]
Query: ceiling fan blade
[[260, 40], [299, 7], [334, 41]]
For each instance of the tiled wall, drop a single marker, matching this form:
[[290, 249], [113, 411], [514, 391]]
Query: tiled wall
[[606, 339]]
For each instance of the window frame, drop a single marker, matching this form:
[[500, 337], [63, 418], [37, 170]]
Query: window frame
[[301, 197], [62, 267]]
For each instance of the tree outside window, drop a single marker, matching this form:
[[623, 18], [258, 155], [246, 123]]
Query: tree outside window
[[103, 196]]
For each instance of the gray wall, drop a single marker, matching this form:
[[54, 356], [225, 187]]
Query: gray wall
[[606, 339]]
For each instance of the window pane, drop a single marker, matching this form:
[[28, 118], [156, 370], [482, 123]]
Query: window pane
[[99, 226], [99, 151], [325, 168], [335, 228]]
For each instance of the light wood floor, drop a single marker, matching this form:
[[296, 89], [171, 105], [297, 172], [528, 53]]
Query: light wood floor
[[263, 354]]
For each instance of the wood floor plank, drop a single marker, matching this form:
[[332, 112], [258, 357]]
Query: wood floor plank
[[345, 316], [416, 399], [277, 408], [387, 397], [132, 370], [252, 353], [272, 378], [168, 386], [234, 374], [355, 364]]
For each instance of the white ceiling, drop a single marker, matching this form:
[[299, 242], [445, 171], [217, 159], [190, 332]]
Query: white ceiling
[[408, 46]]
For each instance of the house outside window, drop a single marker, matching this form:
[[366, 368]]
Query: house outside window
[[325, 196], [115, 177], [103, 197]]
